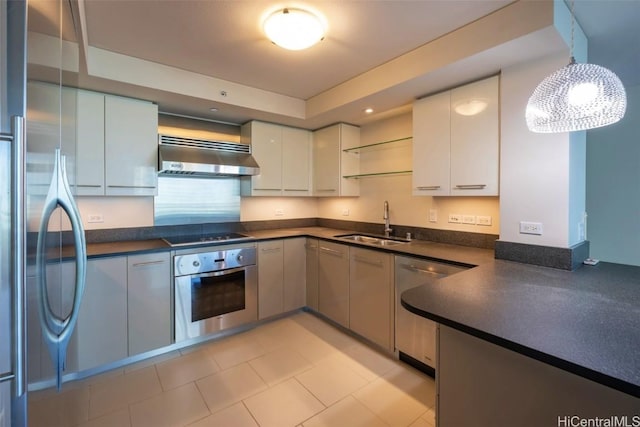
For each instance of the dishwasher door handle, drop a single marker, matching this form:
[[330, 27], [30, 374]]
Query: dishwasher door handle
[[415, 269]]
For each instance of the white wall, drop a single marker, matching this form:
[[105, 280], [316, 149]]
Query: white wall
[[269, 208], [540, 174]]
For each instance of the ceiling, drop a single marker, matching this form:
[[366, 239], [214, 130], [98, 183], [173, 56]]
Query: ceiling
[[368, 43]]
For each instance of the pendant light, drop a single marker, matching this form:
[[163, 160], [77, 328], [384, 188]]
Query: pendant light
[[294, 29], [576, 97]]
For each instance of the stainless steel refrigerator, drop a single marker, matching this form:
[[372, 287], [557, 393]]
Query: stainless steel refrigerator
[[39, 299]]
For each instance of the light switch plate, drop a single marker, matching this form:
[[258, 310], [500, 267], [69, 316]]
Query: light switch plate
[[433, 215]]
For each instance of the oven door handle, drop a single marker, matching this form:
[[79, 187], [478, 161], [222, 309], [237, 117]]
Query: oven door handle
[[219, 273]]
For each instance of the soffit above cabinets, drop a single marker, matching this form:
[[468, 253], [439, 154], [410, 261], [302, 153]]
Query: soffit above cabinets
[[189, 56]]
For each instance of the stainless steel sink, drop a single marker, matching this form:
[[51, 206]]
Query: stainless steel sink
[[372, 240]]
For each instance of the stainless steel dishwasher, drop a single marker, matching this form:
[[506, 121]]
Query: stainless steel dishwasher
[[415, 335]]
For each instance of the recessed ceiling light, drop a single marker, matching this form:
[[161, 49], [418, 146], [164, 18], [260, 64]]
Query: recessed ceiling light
[[294, 29], [368, 110], [213, 109]]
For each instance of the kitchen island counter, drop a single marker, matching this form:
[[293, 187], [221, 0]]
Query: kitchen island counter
[[586, 322]]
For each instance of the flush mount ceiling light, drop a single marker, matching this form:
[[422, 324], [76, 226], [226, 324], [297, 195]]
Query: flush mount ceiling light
[[294, 29], [576, 97]]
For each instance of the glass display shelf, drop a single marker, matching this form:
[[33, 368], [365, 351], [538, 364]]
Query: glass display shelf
[[360, 148], [373, 174]]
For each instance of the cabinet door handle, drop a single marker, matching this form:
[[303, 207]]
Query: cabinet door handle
[[375, 262], [470, 187], [415, 269], [325, 190], [269, 249], [266, 189], [428, 187], [144, 264], [296, 189], [131, 186], [331, 251], [89, 185]]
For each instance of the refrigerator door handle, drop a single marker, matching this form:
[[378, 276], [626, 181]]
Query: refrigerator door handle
[[56, 330], [18, 238]]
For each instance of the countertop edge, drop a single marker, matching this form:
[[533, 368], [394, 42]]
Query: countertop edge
[[557, 362]]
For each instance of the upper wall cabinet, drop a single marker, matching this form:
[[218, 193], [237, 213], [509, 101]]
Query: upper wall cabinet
[[117, 146], [331, 163], [284, 156], [456, 141], [131, 147]]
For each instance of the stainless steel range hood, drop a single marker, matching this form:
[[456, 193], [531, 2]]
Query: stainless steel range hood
[[195, 148]]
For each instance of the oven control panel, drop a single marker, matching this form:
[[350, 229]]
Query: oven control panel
[[213, 261]]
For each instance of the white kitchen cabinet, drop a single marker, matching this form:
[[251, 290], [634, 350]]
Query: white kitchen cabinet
[[333, 282], [270, 278], [148, 301], [371, 296], [131, 147], [294, 292], [311, 249], [284, 156], [456, 141], [331, 163], [431, 145], [101, 331], [90, 146], [296, 162], [266, 148], [117, 145]]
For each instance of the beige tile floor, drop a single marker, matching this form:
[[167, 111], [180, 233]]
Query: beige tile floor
[[296, 371]]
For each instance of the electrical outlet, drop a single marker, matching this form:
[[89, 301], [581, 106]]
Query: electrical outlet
[[279, 212], [455, 218], [527, 227], [468, 219], [345, 212], [483, 220], [433, 215], [94, 218]]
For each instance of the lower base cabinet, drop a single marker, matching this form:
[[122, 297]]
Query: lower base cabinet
[[371, 295], [311, 252], [295, 293], [333, 282], [281, 276], [270, 278], [148, 301], [101, 331]]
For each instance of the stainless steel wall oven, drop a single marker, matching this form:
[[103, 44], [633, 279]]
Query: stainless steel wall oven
[[216, 288]]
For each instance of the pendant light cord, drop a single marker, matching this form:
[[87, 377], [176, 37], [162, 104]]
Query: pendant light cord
[[571, 11]]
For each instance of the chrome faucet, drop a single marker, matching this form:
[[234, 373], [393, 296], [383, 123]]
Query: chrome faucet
[[385, 216]]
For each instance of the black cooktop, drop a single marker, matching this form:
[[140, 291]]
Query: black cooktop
[[203, 239]]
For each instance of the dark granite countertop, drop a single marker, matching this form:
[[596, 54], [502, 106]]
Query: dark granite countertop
[[438, 251], [586, 321]]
